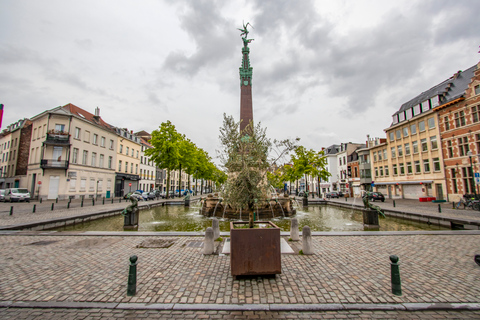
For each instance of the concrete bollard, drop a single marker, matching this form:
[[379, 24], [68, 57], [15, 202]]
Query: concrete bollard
[[11, 210], [34, 208], [395, 273], [216, 228], [208, 244], [294, 233], [132, 277], [307, 240]]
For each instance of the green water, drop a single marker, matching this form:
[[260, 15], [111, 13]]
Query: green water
[[318, 218]]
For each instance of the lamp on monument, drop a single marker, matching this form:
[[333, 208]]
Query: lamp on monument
[[470, 154]]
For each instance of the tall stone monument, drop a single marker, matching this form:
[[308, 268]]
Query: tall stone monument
[[246, 105]]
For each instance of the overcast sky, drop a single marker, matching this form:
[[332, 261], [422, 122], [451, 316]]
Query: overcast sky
[[325, 71]]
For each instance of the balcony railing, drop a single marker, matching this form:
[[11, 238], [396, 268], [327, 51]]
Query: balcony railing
[[58, 138], [53, 164]]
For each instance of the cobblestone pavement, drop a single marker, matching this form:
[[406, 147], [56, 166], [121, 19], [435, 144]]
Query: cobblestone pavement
[[52, 314]]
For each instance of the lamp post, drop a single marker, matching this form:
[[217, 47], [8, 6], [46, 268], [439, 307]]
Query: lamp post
[[470, 154]]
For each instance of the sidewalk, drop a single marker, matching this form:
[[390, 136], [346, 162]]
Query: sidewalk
[[47, 275]]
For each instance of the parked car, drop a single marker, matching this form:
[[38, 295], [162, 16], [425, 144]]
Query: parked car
[[151, 195], [340, 193], [17, 194], [372, 196], [136, 194], [301, 194], [2, 194], [332, 195]]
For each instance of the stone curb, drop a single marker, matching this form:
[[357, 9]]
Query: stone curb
[[244, 307]]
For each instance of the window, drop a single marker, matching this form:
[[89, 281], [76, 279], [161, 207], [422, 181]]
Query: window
[[402, 169], [392, 137], [83, 184], [384, 154], [73, 184], [417, 167], [395, 172], [100, 164], [75, 155], [127, 151], [111, 144], [415, 146], [424, 145], [386, 170], [92, 185], [463, 146], [431, 123], [393, 152], [467, 179], [34, 133], [379, 155], [426, 165], [58, 127], [433, 142], [95, 139], [137, 153], [136, 168], [110, 162], [454, 181], [86, 137], [126, 166], [413, 129], [421, 126], [447, 123], [132, 152], [436, 164], [381, 171], [77, 133], [120, 166], [475, 113], [340, 161], [477, 138], [374, 157], [398, 133], [121, 148], [85, 157], [409, 168], [450, 149], [376, 172], [102, 142], [477, 89], [131, 168], [459, 119], [405, 131], [400, 151], [407, 149], [94, 159]]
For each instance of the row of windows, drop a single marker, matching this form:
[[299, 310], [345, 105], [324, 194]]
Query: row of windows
[[6, 145], [95, 140], [147, 174], [463, 146], [412, 129], [7, 171], [92, 161], [423, 146], [127, 166], [127, 150], [94, 185], [459, 118], [36, 132], [12, 156], [409, 168]]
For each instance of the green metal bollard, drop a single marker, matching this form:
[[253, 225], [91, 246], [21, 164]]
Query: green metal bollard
[[132, 277], [68, 204], [439, 208], [56, 200], [81, 204], [93, 202], [103, 201], [453, 205], [53, 205], [119, 200], [34, 208], [11, 210], [346, 199], [112, 200], [394, 203], [395, 272]]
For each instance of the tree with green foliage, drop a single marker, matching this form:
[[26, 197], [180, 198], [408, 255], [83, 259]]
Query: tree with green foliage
[[166, 151], [309, 162]]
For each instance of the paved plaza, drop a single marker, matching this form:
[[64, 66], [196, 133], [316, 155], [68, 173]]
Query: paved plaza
[[50, 275]]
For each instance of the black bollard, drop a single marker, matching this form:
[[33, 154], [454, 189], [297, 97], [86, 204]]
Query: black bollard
[[81, 204], [439, 208], [53, 204], [56, 200], [34, 208], [40, 200], [346, 199], [68, 205], [132, 277], [93, 201], [112, 200], [119, 200], [453, 205], [394, 203], [103, 201], [395, 272], [11, 210]]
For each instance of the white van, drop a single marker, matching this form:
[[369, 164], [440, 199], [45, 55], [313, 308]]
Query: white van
[[17, 194]]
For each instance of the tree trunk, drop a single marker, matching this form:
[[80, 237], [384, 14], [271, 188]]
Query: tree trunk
[[180, 182], [250, 215], [168, 183]]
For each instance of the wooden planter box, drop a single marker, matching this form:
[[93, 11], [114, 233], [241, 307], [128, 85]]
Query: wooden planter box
[[255, 251]]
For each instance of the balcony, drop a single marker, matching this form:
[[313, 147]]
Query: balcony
[[57, 138], [53, 164]]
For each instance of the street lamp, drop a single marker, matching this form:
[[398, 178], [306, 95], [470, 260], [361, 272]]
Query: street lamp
[[470, 154]]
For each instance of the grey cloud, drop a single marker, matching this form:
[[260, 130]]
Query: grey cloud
[[10, 54], [85, 44]]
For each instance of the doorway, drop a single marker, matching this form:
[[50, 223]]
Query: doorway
[[439, 189], [53, 187]]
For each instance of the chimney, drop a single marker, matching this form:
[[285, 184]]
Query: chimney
[[97, 112]]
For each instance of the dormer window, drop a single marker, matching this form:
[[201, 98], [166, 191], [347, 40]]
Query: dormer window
[[477, 89]]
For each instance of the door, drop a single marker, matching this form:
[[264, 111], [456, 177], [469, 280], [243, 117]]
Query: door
[[57, 156], [439, 189], [34, 183], [17, 183], [53, 187]]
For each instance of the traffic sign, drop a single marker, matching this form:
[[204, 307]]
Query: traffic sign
[[130, 184]]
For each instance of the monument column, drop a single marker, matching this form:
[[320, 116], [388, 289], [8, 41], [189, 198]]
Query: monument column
[[246, 105]]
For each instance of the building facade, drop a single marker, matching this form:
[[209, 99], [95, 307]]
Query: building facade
[[127, 176]]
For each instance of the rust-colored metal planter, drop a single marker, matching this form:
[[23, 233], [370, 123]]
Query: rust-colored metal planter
[[255, 251]]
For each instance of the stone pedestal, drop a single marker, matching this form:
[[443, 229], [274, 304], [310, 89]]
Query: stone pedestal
[[370, 219], [305, 201], [130, 220]]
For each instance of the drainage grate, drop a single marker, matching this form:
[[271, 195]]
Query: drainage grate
[[156, 243], [195, 244], [94, 243], [42, 243]]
